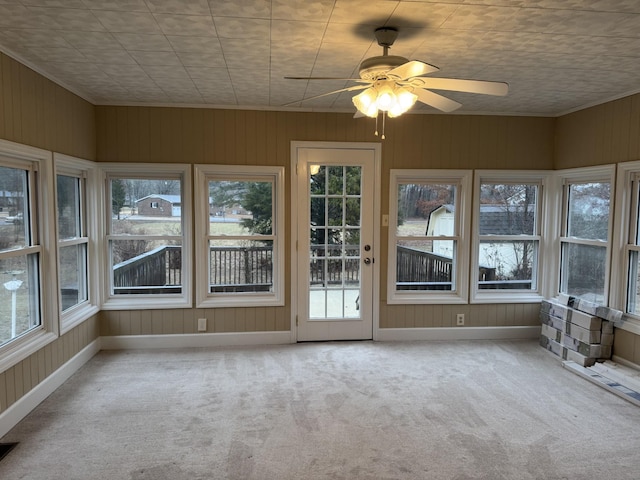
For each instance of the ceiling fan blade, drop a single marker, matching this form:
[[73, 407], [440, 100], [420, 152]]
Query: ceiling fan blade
[[358, 114], [348, 89], [470, 86], [329, 78], [414, 68], [437, 101]]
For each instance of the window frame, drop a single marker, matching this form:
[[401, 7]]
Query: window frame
[[603, 174], [86, 171], [541, 178], [202, 175], [463, 180], [145, 171], [42, 220], [627, 206]]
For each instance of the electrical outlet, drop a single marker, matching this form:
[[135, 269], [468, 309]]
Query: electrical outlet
[[202, 324], [460, 319]]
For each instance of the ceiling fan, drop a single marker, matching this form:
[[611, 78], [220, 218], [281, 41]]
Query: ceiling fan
[[392, 84]]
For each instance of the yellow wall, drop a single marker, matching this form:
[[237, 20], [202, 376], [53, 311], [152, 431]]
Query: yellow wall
[[35, 111]]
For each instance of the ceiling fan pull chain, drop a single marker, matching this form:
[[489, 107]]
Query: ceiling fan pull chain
[[376, 132], [384, 118]]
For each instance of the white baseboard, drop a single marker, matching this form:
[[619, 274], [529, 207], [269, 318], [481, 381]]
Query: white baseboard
[[16, 412], [195, 340], [458, 333]]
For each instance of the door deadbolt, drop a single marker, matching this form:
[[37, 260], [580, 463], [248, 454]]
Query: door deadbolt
[[367, 248]]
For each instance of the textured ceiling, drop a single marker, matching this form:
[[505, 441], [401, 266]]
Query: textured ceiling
[[556, 55]]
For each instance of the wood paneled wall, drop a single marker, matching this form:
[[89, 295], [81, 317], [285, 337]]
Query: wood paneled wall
[[18, 380], [35, 111], [604, 134], [247, 137], [607, 133]]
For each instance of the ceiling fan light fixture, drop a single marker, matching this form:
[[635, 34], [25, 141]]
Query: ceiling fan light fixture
[[404, 101], [365, 102]]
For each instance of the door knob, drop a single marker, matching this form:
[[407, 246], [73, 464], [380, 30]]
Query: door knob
[[367, 261]]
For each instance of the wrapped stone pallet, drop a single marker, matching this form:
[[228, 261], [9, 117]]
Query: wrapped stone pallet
[[576, 330]]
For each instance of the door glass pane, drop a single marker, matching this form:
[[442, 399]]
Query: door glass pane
[[334, 273]]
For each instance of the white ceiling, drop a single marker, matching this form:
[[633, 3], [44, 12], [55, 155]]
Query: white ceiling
[[557, 55]]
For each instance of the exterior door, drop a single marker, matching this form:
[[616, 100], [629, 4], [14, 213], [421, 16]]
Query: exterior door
[[335, 243]]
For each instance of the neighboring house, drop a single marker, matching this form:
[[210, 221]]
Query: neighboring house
[[494, 220], [10, 201], [159, 205]]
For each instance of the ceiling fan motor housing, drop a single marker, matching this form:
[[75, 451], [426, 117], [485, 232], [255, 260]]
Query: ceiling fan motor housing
[[376, 67]]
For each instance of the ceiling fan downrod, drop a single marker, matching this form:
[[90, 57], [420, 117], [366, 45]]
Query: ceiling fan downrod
[[385, 37]]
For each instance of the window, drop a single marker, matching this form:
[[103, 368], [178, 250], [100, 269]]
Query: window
[[148, 250], [27, 303], [429, 218], [77, 294], [507, 229], [240, 231], [625, 280], [585, 234]]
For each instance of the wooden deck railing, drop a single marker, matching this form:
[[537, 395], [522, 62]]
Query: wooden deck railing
[[250, 269], [156, 271], [420, 270]]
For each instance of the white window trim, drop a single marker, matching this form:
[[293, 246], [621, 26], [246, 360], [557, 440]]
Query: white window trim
[[77, 167], [205, 299], [148, 171], [32, 341], [542, 178], [461, 293], [627, 172], [602, 173]]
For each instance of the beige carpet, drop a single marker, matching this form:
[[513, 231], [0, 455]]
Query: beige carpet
[[440, 410]]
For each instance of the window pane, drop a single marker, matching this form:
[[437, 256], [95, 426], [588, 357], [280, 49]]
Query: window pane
[[426, 209], [633, 287], [419, 267], [240, 208], [508, 264], [68, 190], [583, 271], [588, 211], [507, 209], [19, 304], [146, 207], [146, 267], [73, 275], [241, 266], [13, 208], [335, 180]]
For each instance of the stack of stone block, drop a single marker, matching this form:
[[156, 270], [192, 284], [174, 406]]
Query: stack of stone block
[[577, 330]]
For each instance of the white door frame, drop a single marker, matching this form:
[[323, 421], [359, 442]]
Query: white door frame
[[377, 167]]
